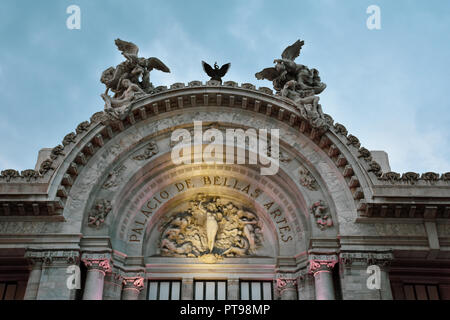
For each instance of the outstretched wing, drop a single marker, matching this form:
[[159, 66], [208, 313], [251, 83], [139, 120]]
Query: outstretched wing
[[293, 51], [155, 63], [126, 47], [267, 73], [224, 69], [208, 69]]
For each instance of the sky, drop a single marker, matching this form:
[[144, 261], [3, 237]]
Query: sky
[[387, 86]]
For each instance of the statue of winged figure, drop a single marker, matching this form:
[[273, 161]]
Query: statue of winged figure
[[131, 78], [298, 83], [216, 73], [307, 81]]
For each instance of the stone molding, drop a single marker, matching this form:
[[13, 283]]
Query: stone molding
[[54, 257], [366, 258]]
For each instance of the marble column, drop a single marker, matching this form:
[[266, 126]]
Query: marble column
[[323, 278], [34, 279], [112, 290], [187, 289], [95, 278], [233, 289], [287, 288], [132, 286]]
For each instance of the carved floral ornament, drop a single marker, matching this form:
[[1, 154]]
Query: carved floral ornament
[[321, 214], [102, 265], [210, 229], [307, 179], [136, 283], [99, 213]]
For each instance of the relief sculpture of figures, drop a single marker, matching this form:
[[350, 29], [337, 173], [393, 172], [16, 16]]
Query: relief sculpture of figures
[[129, 80], [211, 228], [297, 83]]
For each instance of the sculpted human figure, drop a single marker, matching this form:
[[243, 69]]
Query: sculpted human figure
[[210, 227], [134, 69], [307, 81]]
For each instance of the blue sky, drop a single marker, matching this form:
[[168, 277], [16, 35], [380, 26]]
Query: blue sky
[[389, 87]]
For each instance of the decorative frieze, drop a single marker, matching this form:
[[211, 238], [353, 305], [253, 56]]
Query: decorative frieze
[[53, 257], [366, 258]]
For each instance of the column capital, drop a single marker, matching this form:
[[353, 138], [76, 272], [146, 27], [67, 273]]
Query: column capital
[[286, 284], [98, 261], [136, 283], [322, 263], [101, 265], [366, 258]]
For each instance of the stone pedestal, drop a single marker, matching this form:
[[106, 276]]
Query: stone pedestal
[[34, 279], [287, 288], [132, 287], [321, 268]]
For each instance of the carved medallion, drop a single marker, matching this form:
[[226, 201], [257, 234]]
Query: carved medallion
[[307, 179], [211, 228]]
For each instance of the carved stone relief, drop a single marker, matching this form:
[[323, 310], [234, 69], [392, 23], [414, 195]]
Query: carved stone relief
[[150, 151], [210, 229], [307, 179], [98, 214], [321, 213]]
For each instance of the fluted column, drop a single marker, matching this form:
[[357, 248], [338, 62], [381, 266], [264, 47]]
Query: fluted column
[[287, 288], [321, 268], [97, 266], [34, 279], [132, 286]]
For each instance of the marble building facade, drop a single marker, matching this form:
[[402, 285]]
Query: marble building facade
[[109, 202]]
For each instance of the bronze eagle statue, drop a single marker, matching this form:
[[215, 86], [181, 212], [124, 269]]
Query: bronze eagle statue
[[216, 73]]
